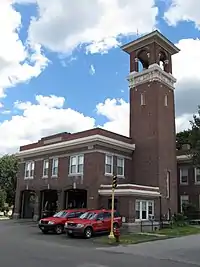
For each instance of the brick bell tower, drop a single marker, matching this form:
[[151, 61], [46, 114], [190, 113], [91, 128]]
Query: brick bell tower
[[152, 115]]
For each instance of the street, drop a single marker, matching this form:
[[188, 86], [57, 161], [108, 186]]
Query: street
[[23, 245]]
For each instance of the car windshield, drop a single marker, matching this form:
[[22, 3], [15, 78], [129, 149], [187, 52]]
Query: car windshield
[[60, 214], [88, 215]]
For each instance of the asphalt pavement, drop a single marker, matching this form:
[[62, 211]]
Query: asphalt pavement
[[22, 244]]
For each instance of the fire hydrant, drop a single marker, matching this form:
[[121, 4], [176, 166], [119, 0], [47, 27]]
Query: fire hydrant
[[117, 234]]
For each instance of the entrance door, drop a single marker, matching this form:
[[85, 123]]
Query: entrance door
[[28, 204], [76, 199]]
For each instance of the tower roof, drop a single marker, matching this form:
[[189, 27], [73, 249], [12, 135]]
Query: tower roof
[[151, 37]]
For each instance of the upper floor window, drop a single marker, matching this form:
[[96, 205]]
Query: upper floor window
[[109, 164], [142, 99], [45, 168], [197, 175], [29, 169], [184, 175], [76, 164], [166, 100], [168, 185], [55, 167], [120, 166]]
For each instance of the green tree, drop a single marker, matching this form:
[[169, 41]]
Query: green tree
[[8, 176], [2, 199], [182, 138], [194, 138]]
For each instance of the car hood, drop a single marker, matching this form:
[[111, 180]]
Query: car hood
[[53, 219], [81, 221]]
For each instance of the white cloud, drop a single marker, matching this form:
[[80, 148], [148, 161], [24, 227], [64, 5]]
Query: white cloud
[[46, 116], [186, 71], [92, 70], [183, 10], [18, 62], [49, 116], [99, 26]]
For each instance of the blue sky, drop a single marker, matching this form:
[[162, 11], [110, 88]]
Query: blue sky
[[73, 84]]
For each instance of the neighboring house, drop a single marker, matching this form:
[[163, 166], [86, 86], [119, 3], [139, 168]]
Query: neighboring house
[[188, 179], [76, 170]]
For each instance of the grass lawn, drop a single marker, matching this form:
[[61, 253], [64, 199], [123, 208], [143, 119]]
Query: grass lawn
[[180, 231], [135, 238], [128, 239]]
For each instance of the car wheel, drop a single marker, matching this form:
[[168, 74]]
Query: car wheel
[[45, 231], [88, 232], [59, 229]]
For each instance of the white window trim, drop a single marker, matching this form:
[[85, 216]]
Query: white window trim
[[166, 100], [121, 158], [147, 201], [181, 201], [26, 164], [45, 176], [142, 99], [195, 175], [54, 175], [181, 176], [109, 174], [168, 177], [70, 164]]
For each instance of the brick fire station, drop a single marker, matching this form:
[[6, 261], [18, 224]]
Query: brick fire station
[[75, 170]]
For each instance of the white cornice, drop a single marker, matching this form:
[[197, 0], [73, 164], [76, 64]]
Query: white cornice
[[128, 192], [153, 73], [131, 185], [77, 142], [184, 157]]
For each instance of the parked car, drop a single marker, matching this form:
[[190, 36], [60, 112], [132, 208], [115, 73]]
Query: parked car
[[57, 221], [92, 222]]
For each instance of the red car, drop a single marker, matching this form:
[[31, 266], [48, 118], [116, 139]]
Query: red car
[[92, 222], [57, 221]]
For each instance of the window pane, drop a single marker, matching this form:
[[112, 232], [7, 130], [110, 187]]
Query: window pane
[[120, 171], [150, 208], [80, 159], [55, 171], [80, 168], [108, 168], [120, 162], [73, 160], [198, 171], [55, 162], [108, 159], [73, 169]]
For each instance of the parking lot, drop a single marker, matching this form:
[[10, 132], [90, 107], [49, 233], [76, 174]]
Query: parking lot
[[23, 244]]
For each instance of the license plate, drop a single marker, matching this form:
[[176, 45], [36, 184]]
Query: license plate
[[70, 231]]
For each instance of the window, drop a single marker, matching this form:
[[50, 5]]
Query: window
[[184, 200], [166, 100], [184, 176], [76, 164], [142, 100], [144, 209], [29, 169], [168, 185], [45, 168], [120, 167], [197, 175], [109, 164], [55, 167]]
